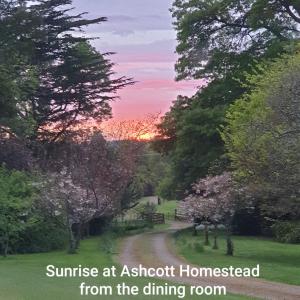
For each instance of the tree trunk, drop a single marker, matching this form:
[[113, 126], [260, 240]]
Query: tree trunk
[[206, 241], [5, 246], [230, 246], [78, 229], [215, 246], [87, 229], [72, 240], [195, 230], [229, 242]]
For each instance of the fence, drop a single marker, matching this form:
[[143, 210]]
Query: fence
[[180, 215], [154, 218]]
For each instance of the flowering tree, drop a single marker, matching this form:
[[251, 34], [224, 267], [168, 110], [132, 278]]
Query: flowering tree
[[62, 197], [88, 180], [212, 201]]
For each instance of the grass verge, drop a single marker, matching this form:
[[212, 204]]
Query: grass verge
[[22, 277], [167, 207], [278, 262]]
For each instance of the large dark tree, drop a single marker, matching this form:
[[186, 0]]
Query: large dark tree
[[220, 41], [61, 79], [208, 31]]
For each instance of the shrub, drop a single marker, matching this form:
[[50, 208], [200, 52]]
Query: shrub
[[182, 240], [16, 195], [247, 222], [287, 232], [147, 208], [166, 188], [107, 244], [136, 225], [42, 236], [99, 225], [121, 228]]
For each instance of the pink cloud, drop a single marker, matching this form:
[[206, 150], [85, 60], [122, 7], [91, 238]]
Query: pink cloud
[[166, 84], [150, 96], [140, 34]]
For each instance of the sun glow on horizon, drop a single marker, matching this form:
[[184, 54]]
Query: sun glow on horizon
[[113, 129]]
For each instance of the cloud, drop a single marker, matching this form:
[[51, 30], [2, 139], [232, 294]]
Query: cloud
[[157, 51], [120, 19], [127, 16], [141, 34], [124, 7], [120, 24], [150, 96]]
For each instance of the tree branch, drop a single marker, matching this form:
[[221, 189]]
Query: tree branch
[[287, 7]]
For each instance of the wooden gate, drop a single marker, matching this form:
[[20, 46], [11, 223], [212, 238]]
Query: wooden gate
[[154, 218]]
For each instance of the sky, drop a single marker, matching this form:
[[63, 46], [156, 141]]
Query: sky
[[141, 34]]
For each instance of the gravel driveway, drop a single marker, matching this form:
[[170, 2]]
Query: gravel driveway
[[156, 250]]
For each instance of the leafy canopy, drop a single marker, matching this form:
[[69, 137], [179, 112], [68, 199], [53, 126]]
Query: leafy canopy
[[262, 136], [55, 77], [219, 41], [16, 194], [219, 30]]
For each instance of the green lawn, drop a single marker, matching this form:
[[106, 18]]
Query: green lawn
[[167, 207], [278, 262], [22, 277]]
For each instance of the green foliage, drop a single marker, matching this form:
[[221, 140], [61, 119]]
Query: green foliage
[[25, 227], [193, 145], [287, 232], [147, 208], [16, 194], [165, 141], [166, 188], [107, 244], [131, 194], [262, 137], [214, 35], [124, 227], [14, 88], [42, 235], [214, 43], [198, 144], [60, 76], [15, 154], [247, 221], [150, 172]]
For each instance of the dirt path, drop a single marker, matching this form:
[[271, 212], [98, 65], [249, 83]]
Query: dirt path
[[155, 250]]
